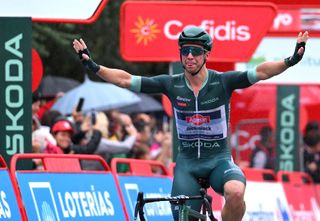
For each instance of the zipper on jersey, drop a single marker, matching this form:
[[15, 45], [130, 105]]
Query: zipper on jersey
[[197, 109]]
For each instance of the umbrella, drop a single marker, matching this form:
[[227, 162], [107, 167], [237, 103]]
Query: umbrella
[[97, 95], [51, 85], [146, 104]]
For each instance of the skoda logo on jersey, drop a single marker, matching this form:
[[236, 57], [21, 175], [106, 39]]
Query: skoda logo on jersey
[[196, 144], [210, 101], [198, 119]]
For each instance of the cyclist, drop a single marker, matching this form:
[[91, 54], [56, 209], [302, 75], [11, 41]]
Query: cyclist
[[200, 100]]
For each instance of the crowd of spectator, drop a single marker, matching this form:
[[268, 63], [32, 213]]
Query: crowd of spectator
[[108, 134], [263, 155]]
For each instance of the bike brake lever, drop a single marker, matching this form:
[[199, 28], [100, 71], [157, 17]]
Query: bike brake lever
[[139, 204]]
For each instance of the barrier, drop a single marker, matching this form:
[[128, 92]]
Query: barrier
[[260, 175], [10, 204], [265, 198], [317, 186], [301, 195], [63, 191], [150, 177]]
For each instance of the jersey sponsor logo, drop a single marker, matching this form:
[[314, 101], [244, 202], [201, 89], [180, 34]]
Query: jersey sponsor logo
[[210, 100], [196, 144], [183, 99], [182, 104], [214, 83], [231, 170], [198, 119], [204, 125], [178, 86]]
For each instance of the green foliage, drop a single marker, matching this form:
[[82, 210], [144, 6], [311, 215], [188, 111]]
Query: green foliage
[[54, 44]]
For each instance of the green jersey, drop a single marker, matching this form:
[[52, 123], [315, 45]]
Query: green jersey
[[202, 120]]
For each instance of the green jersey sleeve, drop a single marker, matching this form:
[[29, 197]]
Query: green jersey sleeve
[[156, 84]]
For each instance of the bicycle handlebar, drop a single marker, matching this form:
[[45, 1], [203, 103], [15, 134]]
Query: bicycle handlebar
[[180, 200]]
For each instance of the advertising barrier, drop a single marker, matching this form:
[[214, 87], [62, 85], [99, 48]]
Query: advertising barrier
[[9, 208], [300, 193], [149, 177], [64, 191], [54, 194], [261, 204], [317, 186]]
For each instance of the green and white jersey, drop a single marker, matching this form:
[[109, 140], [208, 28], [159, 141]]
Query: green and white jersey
[[202, 120]]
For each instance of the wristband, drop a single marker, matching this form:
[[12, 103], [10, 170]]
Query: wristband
[[84, 51], [91, 65], [295, 58]]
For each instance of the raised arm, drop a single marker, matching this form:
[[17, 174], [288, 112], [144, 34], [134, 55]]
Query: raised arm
[[118, 77], [269, 69]]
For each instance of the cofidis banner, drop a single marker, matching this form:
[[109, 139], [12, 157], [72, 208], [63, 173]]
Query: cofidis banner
[[150, 29], [58, 196], [9, 209], [152, 187]]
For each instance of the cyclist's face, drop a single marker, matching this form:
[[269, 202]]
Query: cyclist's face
[[192, 57]]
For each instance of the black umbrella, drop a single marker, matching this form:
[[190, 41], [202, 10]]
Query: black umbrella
[[147, 104], [51, 85]]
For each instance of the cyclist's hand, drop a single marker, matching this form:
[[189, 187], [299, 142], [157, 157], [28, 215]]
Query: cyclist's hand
[[81, 48], [299, 49]]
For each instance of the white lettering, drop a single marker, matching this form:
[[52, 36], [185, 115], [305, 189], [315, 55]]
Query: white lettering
[[287, 134], [158, 208], [5, 211], [15, 143], [228, 31], [170, 25], [13, 46], [284, 19], [14, 96], [88, 204]]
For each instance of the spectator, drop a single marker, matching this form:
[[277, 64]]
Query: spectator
[[165, 153], [310, 130], [63, 131], [263, 155], [49, 117], [42, 139], [312, 157], [141, 152], [109, 146]]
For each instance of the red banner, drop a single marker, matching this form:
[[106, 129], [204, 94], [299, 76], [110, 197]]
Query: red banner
[[150, 29], [295, 20]]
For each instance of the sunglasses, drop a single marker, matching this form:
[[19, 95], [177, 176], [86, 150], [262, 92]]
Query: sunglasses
[[195, 51]]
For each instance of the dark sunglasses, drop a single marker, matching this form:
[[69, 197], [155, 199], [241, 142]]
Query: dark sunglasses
[[195, 51]]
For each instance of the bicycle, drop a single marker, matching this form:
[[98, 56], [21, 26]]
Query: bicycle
[[184, 211]]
